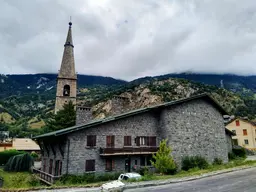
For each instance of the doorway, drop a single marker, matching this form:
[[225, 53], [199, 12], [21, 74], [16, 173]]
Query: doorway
[[128, 164]]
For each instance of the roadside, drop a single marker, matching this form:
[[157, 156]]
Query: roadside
[[149, 180]]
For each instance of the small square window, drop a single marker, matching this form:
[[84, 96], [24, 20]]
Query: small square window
[[246, 142]]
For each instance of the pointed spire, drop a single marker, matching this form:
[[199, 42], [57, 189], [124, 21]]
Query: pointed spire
[[67, 69], [69, 41]]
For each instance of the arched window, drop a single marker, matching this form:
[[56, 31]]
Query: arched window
[[66, 90]]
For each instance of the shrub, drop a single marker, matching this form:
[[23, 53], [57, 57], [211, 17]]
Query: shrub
[[193, 162], [239, 152], [88, 178], [231, 156], [18, 163], [34, 155], [217, 161], [163, 160], [6, 155]]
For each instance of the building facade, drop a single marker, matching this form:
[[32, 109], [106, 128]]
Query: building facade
[[245, 133], [67, 78], [192, 126]]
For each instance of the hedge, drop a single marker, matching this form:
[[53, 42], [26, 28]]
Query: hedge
[[6, 155]]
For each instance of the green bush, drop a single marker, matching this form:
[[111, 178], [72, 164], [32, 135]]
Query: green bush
[[34, 155], [88, 178], [231, 156], [193, 162], [217, 161], [163, 160], [19, 163], [239, 152], [6, 155]]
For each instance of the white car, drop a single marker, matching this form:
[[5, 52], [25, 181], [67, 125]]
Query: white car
[[127, 176]]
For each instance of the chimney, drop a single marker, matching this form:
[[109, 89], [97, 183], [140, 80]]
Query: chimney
[[119, 105], [83, 115]]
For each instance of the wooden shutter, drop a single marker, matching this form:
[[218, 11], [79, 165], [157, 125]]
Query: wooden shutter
[[153, 141], [108, 141], [138, 141], [112, 141], [244, 131], [127, 141], [94, 140], [60, 167], [50, 167], [237, 123]]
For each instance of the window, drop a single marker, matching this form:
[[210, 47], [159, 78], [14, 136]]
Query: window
[[135, 162], [91, 140], [234, 131], [90, 165], [237, 123], [235, 141], [145, 161], [127, 140], [50, 167], [109, 164], [246, 142], [111, 141], [146, 141], [244, 131], [58, 166]]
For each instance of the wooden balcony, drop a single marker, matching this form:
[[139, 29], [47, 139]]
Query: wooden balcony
[[128, 151], [45, 177]]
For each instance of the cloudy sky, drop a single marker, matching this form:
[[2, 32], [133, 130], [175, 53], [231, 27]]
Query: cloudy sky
[[129, 38]]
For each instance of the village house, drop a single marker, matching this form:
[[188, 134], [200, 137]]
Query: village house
[[20, 144], [245, 131], [192, 126]]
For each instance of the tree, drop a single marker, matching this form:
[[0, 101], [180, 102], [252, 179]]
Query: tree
[[163, 160], [63, 119]]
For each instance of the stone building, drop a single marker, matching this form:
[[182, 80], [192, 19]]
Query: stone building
[[67, 78], [245, 131], [193, 126]]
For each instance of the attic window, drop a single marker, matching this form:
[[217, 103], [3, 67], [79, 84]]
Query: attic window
[[237, 123]]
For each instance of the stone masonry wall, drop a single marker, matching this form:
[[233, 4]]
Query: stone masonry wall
[[83, 115], [46, 158], [140, 125], [194, 128], [229, 143]]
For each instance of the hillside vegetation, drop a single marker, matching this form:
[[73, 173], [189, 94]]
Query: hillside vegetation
[[25, 111]]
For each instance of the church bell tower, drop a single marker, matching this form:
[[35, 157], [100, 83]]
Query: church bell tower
[[67, 78]]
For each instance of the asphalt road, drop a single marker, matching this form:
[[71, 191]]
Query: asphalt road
[[239, 181]]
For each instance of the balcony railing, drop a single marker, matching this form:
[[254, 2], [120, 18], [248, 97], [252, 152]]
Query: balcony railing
[[128, 151], [45, 177]]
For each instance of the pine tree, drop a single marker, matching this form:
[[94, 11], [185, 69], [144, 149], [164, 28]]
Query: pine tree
[[163, 160], [63, 119]]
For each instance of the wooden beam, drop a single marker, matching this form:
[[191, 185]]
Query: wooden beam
[[61, 150], [53, 150], [46, 148], [41, 147]]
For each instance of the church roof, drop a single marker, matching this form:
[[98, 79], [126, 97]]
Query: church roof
[[67, 69], [131, 113]]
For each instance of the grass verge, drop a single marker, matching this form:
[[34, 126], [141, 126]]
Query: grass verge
[[27, 181], [197, 171]]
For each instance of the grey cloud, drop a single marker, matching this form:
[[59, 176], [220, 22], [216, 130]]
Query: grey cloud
[[130, 39]]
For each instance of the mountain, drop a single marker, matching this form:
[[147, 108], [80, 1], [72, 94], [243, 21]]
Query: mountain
[[40, 83], [235, 83], [26, 101]]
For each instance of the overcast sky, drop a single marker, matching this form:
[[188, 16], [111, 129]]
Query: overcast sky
[[127, 39]]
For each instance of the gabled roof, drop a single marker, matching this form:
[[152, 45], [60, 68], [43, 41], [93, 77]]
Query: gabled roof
[[132, 113], [241, 119]]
